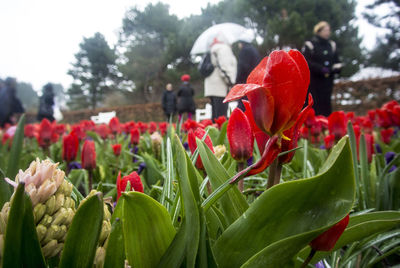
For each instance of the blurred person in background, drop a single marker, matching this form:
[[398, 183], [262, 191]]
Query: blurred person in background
[[249, 58], [223, 77], [186, 103], [10, 105], [168, 102], [323, 61], [46, 103]]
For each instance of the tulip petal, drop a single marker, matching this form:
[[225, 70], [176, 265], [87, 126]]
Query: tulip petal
[[302, 66], [240, 136], [259, 135], [258, 73], [262, 106], [285, 81], [238, 91]]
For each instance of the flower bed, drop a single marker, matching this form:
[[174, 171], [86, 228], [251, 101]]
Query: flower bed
[[274, 186]]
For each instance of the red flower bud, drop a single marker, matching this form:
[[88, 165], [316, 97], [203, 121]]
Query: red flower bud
[[134, 180], [329, 141], [220, 121], [135, 136], [29, 131], [337, 124], [117, 149], [88, 155], [240, 136], [386, 134], [199, 133], [70, 147], [45, 133], [114, 125], [327, 240], [152, 127]]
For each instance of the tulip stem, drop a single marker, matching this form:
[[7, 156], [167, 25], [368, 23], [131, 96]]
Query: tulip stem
[[240, 167], [274, 176], [310, 256], [90, 179]]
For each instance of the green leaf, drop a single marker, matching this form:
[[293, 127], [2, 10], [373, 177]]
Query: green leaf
[[232, 202], [148, 230], [360, 227], [214, 134], [115, 253], [222, 134], [290, 215], [83, 234], [189, 232], [152, 171], [13, 161], [21, 244]]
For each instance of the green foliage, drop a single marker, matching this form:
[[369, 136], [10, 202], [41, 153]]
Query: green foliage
[[21, 243], [83, 234]]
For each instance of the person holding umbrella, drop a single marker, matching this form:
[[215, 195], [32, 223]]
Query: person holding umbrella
[[223, 77]]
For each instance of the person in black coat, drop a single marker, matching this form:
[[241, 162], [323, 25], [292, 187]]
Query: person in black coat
[[168, 102], [185, 98], [46, 103], [249, 58], [9, 102], [323, 61]]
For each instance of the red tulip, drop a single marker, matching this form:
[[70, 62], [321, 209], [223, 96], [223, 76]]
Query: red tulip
[[80, 133], [114, 125], [70, 147], [327, 240], [371, 115], [117, 149], [293, 134], [276, 89], [59, 129], [152, 127], [205, 123], [29, 131], [163, 127], [134, 180], [103, 131], [45, 133], [142, 127], [384, 119], [240, 136], [369, 140], [88, 155], [199, 133], [386, 134], [329, 141], [135, 136], [337, 124], [220, 121], [189, 124], [261, 137]]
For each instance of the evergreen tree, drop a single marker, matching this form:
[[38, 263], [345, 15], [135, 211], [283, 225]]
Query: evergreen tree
[[387, 52], [93, 72]]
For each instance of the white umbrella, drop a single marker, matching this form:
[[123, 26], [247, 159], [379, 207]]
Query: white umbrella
[[232, 32]]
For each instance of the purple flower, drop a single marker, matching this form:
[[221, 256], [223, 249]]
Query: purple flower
[[378, 148], [142, 166], [250, 161], [74, 165], [320, 264], [389, 156]]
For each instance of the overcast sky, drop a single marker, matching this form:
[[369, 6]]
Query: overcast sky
[[39, 38]]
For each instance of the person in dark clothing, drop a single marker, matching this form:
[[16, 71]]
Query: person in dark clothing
[[249, 58], [185, 98], [46, 103], [323, 61], [168, 102], [9, 102]]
